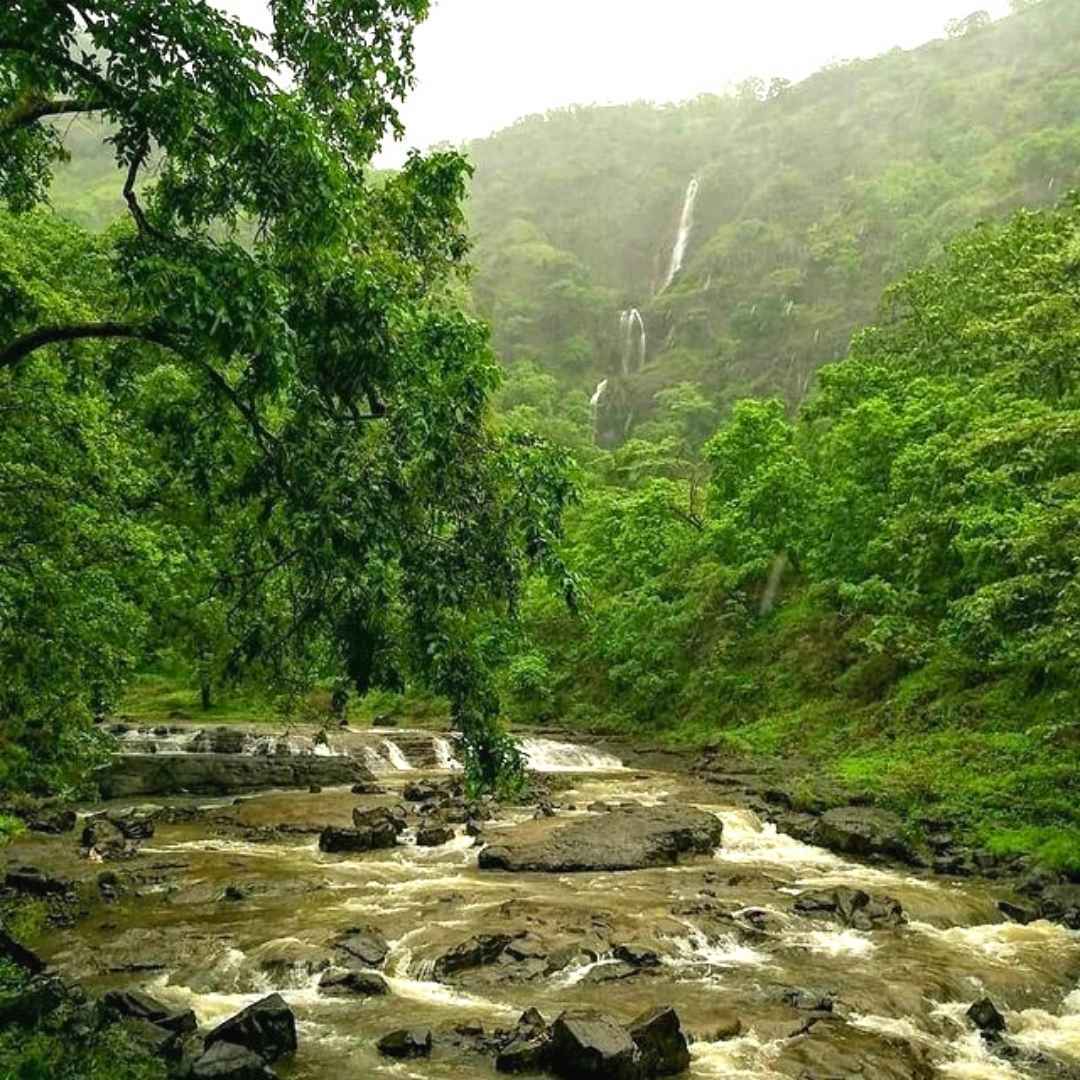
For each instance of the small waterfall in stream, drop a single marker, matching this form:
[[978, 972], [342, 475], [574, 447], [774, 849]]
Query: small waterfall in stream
[[633, 351], [547, 755], [686, 225]]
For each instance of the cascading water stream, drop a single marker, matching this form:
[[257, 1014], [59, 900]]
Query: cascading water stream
[[682, 238], [633, 350]]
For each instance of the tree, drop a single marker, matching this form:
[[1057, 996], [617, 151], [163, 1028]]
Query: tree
[[305, 314]]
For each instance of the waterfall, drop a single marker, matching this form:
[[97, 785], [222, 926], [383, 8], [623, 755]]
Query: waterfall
[[632, 349], [686, 224], [547, 755], [594, 401]]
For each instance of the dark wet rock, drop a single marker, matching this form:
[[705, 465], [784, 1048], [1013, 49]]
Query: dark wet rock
[[434, 836], [801, 826], [1015, 913], [20, 955], [473, 953], [380, 819], [30, 881], [1060, 903], [590, 1045], [406, 1043], [659, 1036], [863, 831], [339, 982], [420, 791], [606, 973], [104, 840], [525, 1054], [532, 1020], [598, 807], [526, 947], [853, 908], [984, 1016], [135, 1005], [227, 1061], [314, 789], [153, 1039], [109, 886], [621, 840], [39, 998], [364, 944], [336, 841], [234, 894], [129, 775], [474, 828], [136, 822], [52, 821], [267, 1028], [807, 1000], [829, 1049], [368, 789]]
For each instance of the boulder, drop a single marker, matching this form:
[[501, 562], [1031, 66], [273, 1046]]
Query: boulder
[[525, 1053], [135, 1005], [419, 791], [136, 822], [104, 840], [1015, 913], [267, 1028], [1061, 904], [336, 841], [852, 907], [20, 955], [637, 956], [434, 836], [472, 953], [863, 831], [51, 821], [659, 1036], [726, 1025], [624, 839], [984, 1016], [368, 788], [590, 1045], [152, 1039], [380, 819], [227, 1061], [364, 944], [406, 1043], [31, 881], [340, 982]]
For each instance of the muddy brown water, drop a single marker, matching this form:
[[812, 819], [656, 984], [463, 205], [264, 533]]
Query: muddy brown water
[[900, 995]]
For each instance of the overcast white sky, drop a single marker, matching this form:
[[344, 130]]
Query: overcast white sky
[[481, 64]]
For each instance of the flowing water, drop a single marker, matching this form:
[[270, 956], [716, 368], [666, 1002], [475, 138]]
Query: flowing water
[[635, 347], [682, 237], [723, 927]]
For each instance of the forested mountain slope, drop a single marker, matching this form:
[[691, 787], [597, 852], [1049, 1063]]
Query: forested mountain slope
[[811, 199]]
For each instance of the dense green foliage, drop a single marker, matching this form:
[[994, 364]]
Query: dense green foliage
[[249, 421]]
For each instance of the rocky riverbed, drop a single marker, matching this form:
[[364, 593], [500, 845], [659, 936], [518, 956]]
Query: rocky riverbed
[[626, 923]]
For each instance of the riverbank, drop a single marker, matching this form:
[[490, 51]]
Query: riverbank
[[616, 888]]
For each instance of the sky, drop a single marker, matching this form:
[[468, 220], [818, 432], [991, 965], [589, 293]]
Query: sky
[[482, 64]]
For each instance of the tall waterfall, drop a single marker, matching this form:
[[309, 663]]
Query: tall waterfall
[[633, 351], [598, 393], [686, 225]]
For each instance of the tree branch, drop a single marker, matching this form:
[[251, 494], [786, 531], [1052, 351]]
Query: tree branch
[[31, 112], [132, 199]]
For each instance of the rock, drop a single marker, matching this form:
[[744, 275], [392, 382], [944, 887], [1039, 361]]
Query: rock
[[605, 973], [434, 836], [419, 791], [624, 839], [1061, 904], [137, 822], [590, 1045], [637, 956], [807, 1000], [31, 881], [406, 1043], [335, 841], [368, 789], [473, 953], [53, 822], [314, 789], [339, 982], [152, 1039], [136, 1005], [525, 1054], [19, 955], [1015, 913], [532, 1020], [40, 997], [104, 840], [227, 1061], [863, 831], [853, 907], [217, 774], [659, 1036], [267, 1028], [234, 894], [474, 828], [984, 1016], [366, 944], [380, 819]]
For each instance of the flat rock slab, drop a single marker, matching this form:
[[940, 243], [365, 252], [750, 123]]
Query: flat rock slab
[[630, 838]]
